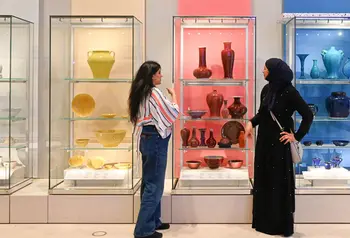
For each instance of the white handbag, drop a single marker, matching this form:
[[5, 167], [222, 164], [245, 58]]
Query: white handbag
[[296, 148]]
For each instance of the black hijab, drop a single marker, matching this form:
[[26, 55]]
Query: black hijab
[[280, 76]]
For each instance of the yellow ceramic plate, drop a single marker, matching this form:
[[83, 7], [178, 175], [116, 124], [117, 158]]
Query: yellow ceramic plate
[[83, 105], [109, 115], [123, 165]]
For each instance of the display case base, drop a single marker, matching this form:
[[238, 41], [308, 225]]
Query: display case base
[[15, 187], [322, 209], [29, 205], [4, 209], [212, 209], [96, 209]]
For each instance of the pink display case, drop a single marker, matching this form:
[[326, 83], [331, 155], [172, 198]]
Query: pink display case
[[214, 63]]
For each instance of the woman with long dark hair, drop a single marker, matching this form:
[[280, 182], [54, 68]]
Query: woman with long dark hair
[[274, 185], [153, 116]]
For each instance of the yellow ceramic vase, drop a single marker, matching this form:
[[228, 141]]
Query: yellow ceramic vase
[[101, 63]]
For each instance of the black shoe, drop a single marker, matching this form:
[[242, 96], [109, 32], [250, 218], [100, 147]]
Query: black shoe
[[154, 235], [164, 226]]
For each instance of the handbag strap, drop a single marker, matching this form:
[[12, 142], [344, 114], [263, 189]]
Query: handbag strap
[[275, 119]]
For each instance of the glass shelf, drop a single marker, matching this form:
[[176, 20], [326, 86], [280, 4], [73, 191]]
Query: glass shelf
[[187, 118], [216, 82], [324, 119], [93, 80], [14, 119], [96, 119], [15, 146], [125, 146], [324, 147], [323, 81], [13, 80], [216, 148]]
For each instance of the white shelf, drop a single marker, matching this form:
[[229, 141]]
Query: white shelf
[[214, 174]]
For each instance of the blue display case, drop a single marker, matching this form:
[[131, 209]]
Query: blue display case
[[318, 50]]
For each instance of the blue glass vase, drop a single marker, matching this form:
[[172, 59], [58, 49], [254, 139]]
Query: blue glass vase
[[346, 68], [332, 59], [302, 58], [315, 71]]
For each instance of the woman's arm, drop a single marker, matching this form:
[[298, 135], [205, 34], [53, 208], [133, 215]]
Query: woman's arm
[[299, 105], [167, 111], [257, 118]]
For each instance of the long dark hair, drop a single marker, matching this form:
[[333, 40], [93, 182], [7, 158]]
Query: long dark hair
[[141, 87]]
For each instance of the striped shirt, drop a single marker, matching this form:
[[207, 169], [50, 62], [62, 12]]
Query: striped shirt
[[157, 111]]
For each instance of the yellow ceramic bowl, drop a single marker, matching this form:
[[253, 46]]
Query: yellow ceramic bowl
[[82, 142], [110, 138], [76, 161], [109, 115]]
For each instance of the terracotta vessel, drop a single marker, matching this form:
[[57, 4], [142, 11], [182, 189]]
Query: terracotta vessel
[[228, 59], [202, 131], [194, 142], [224, 112], [211, 142], [185, 135], [237, 109], [241, 139], [101, 63], [202, 71], [213, 162], [215, 101]]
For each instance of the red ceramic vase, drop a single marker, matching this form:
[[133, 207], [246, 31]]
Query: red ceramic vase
[[194, 142], [215, 101], [228, 59], [211, 142], [185, 135], [237, 109], [202, 71], [224, 112]]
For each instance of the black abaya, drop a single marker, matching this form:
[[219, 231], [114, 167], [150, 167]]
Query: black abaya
[[274, 184]]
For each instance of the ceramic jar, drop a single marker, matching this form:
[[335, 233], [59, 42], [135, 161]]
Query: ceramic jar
[[338, 105], [101, 63], [332, 60], [211, 142], [194, 142], [214, 102], [185, 135], [224, 112], [237, 109]]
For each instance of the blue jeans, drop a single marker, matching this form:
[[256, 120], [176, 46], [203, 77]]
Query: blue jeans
[[154, 150]]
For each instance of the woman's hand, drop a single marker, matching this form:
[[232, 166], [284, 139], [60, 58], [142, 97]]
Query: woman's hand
[[248, 129], [287, 137], [171, 91]]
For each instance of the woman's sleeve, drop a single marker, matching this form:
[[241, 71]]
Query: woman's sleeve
[[303, 109], [257, 118], [162, 108]]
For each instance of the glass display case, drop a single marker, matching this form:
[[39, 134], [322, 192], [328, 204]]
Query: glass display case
[[93, 60], [214, 77], [318, 50], [16, 104]]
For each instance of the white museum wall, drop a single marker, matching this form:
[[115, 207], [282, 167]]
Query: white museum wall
[[29, 10]]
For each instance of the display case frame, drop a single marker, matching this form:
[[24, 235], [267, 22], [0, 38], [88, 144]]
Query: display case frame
[[112, 137], [317, 32], [244, 28], [17, 75]]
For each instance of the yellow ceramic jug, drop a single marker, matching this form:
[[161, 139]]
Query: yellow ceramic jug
[[101, 63]]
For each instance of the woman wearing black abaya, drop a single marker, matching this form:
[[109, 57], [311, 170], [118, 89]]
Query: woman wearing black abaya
[[274, 185]]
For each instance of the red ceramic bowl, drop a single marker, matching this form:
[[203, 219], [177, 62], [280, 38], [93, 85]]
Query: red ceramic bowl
[[193, 164], [235, 164], [213, 162]]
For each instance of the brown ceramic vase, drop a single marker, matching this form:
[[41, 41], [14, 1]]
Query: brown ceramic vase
[[214, 102], [202, 71], [237, 109], [228, 59]]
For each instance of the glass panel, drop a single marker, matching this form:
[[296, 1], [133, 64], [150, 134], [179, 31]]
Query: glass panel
[[91, 136], [322, 70], [213, 56], [16, 69]]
